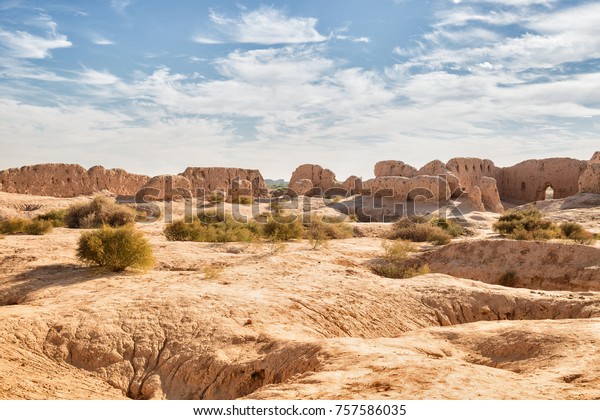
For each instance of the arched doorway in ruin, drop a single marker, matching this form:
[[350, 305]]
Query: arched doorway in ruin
[[549, 192]]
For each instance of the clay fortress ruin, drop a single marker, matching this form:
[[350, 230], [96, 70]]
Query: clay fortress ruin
[[480, 181]]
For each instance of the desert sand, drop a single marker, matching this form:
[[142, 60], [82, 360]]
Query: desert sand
[[292, 323]]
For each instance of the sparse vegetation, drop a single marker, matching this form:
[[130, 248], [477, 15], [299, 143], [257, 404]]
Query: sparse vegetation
[[576, 232], [529, 224], [13, 226], [56, 217], [243, 199], [16, 226], [212, 271], [276, 247], [280, 229], [115, 248], [99, 212], [212, 228], [395, 263], [449, 226], [422, 232], [327, 228], [216, 197], [439, 238], [38, 227]]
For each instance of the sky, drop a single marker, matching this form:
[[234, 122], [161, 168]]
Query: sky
[[154, 87]]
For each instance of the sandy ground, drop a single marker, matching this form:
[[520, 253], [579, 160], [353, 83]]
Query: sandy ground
[[224, 321]]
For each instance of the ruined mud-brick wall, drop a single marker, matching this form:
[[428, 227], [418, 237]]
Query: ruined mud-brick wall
[[395, 168], [527, 181], [212, 179], [317, 175], [470, 171], [418, 188], [308, 177], [69, 180]]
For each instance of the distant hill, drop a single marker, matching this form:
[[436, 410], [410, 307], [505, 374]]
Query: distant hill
[[276, 183]]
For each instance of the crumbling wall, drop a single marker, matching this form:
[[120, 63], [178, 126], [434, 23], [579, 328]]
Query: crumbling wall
[[527, 181], [320, 177], [470, 171], [69, 180], [589, 181], [394, 168], [207, 180], [418, 188]]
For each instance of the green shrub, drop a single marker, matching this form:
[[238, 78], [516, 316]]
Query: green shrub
[[38, 227], [279, 229], [115, 248], [13, 226], [397, 250], [439, 238], [449, 226], [209, 229], [570, 228], [576, 232], [216, 197], [243, 199], [422, 232], [529, 224], [24, 226], [208, 217], [525, 225], [99, 212], [395, 263], [329, 228], [56, 217]]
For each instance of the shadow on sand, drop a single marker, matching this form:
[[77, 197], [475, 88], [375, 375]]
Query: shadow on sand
[[18, 287]]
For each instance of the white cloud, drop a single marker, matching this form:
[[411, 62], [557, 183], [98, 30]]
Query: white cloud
[[22, 44], [25, 45], [512, 2], [363, 39], [120, 5], [266, 25], [94, 77], [100, 40], [276, 107]]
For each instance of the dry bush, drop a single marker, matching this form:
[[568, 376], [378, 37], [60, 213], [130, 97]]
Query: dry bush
[[212, 229], [212, 271], [576, 232], [529, 224], [216, 197], [13, 226], [320, 229], [100, 211], [38, 227], [56, 217], [439, 238], [283, 229], [395, 263], [243, 199], [451, 227], [17, 226], [422, 232], [276, 247], [115, 248]]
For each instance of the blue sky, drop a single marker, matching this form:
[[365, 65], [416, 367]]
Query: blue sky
[[154, 86]]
